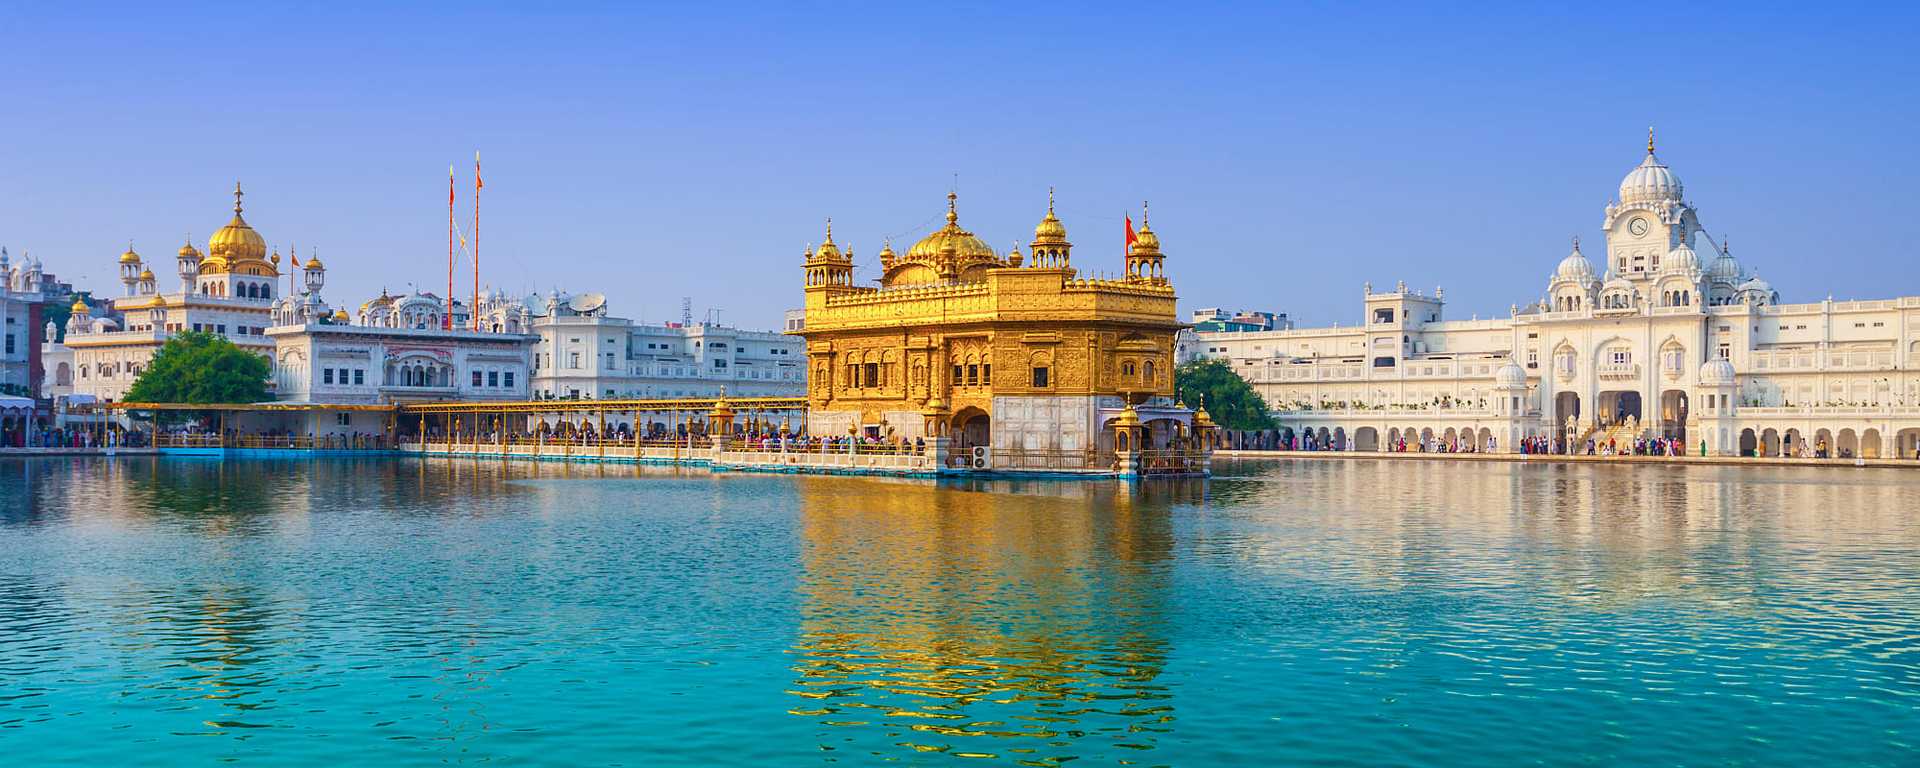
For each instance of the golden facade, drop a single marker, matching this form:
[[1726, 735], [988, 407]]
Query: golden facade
[[1013, 351]]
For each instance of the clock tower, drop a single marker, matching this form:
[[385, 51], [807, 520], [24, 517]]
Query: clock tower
[[1651, 218]]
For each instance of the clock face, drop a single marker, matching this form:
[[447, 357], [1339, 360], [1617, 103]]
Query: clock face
[[1637, 226]]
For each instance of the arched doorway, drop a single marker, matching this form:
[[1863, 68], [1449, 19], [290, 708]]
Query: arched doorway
[[1796, 444], [1748, 442], [1847, 445], [1871, 443], [1673, 414], [1485, 441], [1823, 444], [1907, 442], [1769, 443], [1565, 404], [1618, 406], [972, 428], [1366, 439]]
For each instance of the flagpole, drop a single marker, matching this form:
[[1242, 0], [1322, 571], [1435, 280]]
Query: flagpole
[[476, 240], [446, 323]]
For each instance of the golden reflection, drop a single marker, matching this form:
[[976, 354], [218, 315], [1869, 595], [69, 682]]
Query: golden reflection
[[983, 624]]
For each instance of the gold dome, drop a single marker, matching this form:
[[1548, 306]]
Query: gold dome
[[146, 275], [188, 251], [964, 245], [1144, 241], [1050, 230], [129, 257], [827, 249], [340, 316], [236, 242], [79, 306], [313, 262]]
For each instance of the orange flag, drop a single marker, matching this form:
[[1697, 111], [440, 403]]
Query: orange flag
[[1130, 235]]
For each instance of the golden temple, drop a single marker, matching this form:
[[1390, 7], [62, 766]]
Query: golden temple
[[1016, 353]]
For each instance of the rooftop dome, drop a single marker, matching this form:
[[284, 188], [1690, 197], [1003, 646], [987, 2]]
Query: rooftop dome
[[1756, 284], [1717, 372], [1681, 259], [1050, 230], [237, 241], [1510, 375], [1651, 181], [129, 257], [827, 248], [1145, 241], [966, 247], [79, 307], [1575, 266], [1724, 268]]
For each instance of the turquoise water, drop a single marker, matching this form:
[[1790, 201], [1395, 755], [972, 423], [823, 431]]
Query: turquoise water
[[399, 612]]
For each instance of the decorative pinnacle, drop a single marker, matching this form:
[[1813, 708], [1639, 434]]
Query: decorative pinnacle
[[1143, 214], [1576, 243], [1049, 200], [829, 229], [237, 194], [1649, 139], [953, 214]]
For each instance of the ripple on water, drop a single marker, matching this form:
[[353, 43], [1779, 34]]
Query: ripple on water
[[1356, 612]]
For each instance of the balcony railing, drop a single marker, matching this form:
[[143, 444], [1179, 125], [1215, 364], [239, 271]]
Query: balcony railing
[[1618, 370]]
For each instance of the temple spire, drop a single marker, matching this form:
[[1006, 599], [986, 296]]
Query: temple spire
[[237, 194], [1649, 139]]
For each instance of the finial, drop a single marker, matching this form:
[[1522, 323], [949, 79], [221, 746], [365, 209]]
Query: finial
[[237, 194], [829, 229], [1649, 139], [1576, 243], [1143, 215], [953, 215], [1049, 200]]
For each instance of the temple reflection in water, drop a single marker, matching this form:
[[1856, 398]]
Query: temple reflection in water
[[938, 619]]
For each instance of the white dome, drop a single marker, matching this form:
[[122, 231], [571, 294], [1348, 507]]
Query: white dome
[[1509, 375], [1757, 284], [1716, 373], [1724, 268], [1681, 259], [1575, 267], [1650, 182]]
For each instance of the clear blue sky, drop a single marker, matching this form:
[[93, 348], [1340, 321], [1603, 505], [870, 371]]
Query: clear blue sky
[[1290, 152]]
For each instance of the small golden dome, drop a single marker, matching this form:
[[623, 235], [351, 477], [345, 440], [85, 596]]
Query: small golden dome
[[340, 316], [79, 306], [828, 249], [146, 275], [1127, 418], [188, 251], [1050, 229], [129, 257], [313, 263], [1145, 242]]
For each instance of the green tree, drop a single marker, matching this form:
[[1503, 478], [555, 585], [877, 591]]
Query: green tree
[[1229, 399], [196, 367]]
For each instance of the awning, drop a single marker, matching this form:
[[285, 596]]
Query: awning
[[15, 404]]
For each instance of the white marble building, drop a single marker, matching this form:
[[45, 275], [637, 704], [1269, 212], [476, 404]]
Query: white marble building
[[20, 296], [229, 290], [1671, 336], [583, 352]]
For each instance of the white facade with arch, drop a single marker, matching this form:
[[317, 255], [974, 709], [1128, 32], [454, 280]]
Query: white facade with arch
[[1629, 339]]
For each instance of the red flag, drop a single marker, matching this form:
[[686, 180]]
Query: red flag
[[296, 259], [1130, 235]]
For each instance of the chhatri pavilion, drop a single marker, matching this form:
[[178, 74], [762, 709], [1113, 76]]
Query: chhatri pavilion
[[1016, 354]]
